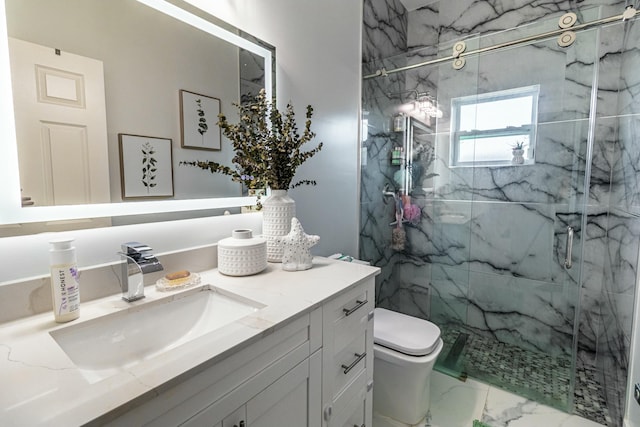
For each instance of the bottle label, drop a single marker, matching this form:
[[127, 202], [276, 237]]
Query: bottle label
[[66, 295]]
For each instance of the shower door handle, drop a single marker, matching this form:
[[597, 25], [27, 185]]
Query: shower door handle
[[568, 262]]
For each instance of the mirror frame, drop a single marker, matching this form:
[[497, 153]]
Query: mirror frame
[[11, 210]]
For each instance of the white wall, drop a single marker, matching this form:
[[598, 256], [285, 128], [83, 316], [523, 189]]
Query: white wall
[[318, 56], [318, 52]]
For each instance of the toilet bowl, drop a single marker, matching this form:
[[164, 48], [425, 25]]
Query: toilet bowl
[[405, 351]]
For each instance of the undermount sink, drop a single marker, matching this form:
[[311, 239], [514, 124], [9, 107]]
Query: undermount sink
[[103, 346]]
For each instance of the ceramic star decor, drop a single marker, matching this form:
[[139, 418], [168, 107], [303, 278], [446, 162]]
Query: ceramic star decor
[[296, 245]]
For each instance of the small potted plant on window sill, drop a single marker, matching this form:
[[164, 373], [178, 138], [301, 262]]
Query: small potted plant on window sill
[[518, 153]]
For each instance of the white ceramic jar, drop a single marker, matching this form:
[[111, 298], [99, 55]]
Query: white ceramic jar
[[242, 254]]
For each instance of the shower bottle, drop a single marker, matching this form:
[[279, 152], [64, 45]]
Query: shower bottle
[[65, 288]]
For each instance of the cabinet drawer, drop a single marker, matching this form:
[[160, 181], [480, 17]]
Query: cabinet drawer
[[345, 406], [348, 316], [357, 418], [349, 363]]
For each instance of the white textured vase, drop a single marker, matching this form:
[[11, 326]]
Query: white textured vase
[[277, 211]]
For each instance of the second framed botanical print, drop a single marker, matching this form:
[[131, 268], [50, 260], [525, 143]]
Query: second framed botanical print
[[199, 121]]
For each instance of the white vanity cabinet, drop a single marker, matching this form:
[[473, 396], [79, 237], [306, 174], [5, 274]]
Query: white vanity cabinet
[[347, 365], [300, 356], [268, 383], [314, 371]]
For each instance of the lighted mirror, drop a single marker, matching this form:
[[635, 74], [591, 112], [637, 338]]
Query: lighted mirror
[[100, 86]]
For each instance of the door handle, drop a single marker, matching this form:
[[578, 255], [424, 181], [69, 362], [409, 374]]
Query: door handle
[[568, 261]]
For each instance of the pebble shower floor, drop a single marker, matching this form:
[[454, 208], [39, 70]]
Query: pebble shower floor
[[534, 375]]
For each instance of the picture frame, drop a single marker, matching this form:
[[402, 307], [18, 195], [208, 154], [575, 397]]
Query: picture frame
[[199, 121], [146, 166]]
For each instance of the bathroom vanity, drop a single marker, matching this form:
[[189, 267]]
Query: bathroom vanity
[[283, 349]]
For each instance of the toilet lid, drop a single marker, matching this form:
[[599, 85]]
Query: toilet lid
[[406, 334]]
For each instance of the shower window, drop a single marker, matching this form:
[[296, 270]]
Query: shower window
[[486, 127]]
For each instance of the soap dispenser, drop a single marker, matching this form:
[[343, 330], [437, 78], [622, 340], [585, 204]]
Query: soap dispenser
[[65, 288]]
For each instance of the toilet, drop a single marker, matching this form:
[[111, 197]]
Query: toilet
[[405, 350]]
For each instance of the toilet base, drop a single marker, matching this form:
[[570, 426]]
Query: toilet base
[[380, 420]]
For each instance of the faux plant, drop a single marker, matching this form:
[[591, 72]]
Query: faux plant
[[267, 145], [518, 145]]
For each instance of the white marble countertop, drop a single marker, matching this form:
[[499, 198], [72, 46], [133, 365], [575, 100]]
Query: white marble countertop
[[42, 386]]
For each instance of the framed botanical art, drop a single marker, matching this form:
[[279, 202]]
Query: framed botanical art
[[146, 166], [199, 121]]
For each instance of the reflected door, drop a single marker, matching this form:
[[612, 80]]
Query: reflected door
[[61, 129]]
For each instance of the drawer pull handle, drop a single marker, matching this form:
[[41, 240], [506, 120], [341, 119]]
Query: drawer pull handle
[[349, 311], [359, 357]]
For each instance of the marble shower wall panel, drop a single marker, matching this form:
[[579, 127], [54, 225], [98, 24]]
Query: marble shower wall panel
[[372, 89], [629, 76], [623, 246], [557, 177], [589, 326], [385, 29], [530, 314], [625, 179], [606, 154], [413, 288], [449, 290], [376, 211], [613, 349], [595, 249], [610, 53], [423, 79], [463, 18], [521, 244], [450, 234], [384, 43], [424, 27]]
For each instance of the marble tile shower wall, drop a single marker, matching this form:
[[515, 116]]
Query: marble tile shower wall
[[488, 252]]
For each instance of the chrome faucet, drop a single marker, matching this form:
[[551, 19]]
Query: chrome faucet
[[137, 261]]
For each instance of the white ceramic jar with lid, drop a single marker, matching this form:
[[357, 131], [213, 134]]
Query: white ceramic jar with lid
[[242, 254]]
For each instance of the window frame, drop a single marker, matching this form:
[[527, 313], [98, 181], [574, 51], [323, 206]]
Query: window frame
[[529, 130]]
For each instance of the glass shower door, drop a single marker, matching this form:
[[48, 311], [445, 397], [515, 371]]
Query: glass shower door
[[505, 289]]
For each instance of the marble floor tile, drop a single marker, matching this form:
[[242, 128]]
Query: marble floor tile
[[504, 409], [455, 403]]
